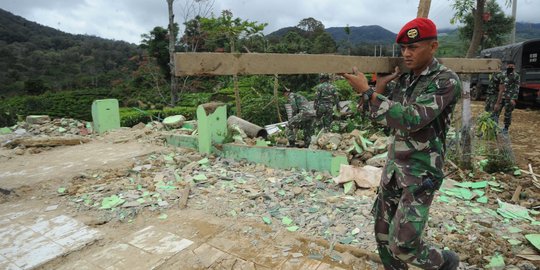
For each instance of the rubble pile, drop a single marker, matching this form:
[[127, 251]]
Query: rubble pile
[[359, 149], [155, 183], [55, 127], [467, 217]]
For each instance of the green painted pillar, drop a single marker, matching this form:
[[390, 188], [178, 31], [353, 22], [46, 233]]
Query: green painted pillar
[[212, 127], [105, 115]]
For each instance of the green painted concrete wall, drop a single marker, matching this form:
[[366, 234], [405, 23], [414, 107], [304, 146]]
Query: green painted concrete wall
[[286, 158], [185, 141], [213, 129]]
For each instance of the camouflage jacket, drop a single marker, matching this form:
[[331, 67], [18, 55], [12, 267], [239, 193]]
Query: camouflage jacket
[[299, 103], [326, 96], [418, 113], [494, 80], [511, 85]]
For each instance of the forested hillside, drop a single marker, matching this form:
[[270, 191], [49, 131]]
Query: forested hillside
[[35, 58], [371, 34]]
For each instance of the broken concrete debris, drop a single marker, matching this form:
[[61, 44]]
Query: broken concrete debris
[[305, 201]]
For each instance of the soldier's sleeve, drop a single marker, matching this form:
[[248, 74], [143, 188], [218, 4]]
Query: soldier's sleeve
[[294, 105], [426, 107], [336, 97], [317, 96], [515, 94]]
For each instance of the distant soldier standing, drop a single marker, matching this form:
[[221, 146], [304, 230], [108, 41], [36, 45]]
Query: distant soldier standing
[[302, 118], [492, 91], [326, 99], [508, 94], [418, 114]]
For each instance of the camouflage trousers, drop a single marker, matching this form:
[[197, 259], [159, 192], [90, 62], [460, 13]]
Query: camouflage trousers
[[325, 116], [508, 109], [301, 121], [491, 99], [400, 219]]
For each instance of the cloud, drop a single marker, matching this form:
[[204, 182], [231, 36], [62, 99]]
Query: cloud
[[129, 19]]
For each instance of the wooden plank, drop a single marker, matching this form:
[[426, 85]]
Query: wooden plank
[[47, 141], [268, 63]]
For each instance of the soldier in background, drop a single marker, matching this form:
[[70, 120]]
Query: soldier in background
[[508, 94], [303, 117], [326, 100], [492, 91], [418, 113]]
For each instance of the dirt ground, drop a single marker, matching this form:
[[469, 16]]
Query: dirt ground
[[34, 178]]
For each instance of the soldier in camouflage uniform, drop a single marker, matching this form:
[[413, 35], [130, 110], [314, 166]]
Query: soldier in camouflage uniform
[[326, 99], [508, 94], [493, 91], [418, 112], [302, 118]]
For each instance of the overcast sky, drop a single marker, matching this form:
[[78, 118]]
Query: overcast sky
[[128, 19]]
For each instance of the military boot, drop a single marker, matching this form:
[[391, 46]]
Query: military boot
[[451, 260]]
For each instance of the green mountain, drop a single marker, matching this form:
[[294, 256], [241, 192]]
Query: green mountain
[[35, 58], [370, 34], [526, 31]]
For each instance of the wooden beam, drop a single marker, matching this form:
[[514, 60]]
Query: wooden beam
[[268, 63]]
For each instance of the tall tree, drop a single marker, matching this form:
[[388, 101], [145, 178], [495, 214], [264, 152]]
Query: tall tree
[[156, 44], [192, 11], [311, 26], [233, 29], [463, 8], [495, 27], [172, 42], [348, 32], [324, 43]]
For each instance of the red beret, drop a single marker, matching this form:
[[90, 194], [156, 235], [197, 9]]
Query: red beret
[[417, 30]]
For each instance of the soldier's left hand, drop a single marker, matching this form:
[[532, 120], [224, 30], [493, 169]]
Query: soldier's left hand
[[383, 81], [513, 101]]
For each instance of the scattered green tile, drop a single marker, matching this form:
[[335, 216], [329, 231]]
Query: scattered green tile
[[347, 240], [200, 177], [286, 221], [267, 220], [496, 261], [111, 202], [293, 228], [514, 242], [348, 186], [483, 199], [476, 210], [203, 161], [534, 239]]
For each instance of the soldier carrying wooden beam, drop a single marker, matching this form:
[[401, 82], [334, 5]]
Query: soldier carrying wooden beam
[[418, 112]]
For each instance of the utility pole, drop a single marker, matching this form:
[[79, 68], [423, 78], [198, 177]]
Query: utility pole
[[514, 11]]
